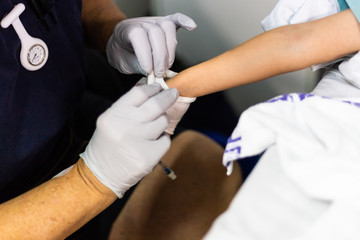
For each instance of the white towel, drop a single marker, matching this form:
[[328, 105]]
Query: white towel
[[304, 127], [307, 184], [288, 12], [334, 85], [350, 69]]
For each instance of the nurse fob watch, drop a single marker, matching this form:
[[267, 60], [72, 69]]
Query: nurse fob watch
[[34, 52]]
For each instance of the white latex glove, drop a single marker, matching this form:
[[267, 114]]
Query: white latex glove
[[145, 44], [129, 141], [176, 111]]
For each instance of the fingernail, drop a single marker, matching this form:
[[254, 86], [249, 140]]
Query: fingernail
[[188, 23]]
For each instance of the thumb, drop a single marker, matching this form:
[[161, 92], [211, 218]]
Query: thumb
[[181, 20]]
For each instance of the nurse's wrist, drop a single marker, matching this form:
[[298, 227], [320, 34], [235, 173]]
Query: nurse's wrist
[[92, 182]]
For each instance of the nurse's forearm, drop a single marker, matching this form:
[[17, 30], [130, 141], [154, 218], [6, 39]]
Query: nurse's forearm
[[56, 208], [99, 18], [279, 51]]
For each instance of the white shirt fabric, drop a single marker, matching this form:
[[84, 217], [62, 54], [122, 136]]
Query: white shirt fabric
[[350, 69], [288, 12], [306, 185], [335, 85]]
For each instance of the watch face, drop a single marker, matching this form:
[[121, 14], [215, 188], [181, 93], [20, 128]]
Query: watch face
[[36, 55]]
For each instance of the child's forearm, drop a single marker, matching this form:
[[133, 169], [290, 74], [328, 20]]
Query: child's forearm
[[281, 50]]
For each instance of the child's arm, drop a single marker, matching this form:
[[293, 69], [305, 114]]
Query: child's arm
[[282, 50]]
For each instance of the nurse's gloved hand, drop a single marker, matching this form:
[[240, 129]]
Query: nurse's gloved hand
[[129, 139], [176, 111], [145, 44]]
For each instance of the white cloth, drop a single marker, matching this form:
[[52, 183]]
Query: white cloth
[[177, 111], [350, 69], [334, 85], [288, 12], [180, 107], [267, 206], [307, 183]]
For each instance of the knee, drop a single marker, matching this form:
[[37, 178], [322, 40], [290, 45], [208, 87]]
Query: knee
[[196, 141]]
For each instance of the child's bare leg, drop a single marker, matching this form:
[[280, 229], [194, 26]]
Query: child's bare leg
[[185, 208]]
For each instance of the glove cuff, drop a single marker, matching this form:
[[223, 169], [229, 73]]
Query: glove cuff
[[86, 156]]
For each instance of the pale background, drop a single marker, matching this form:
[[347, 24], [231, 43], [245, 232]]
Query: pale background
[[222, 25]]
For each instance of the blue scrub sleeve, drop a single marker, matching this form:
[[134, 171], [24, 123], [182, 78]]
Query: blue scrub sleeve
[[354, 5]]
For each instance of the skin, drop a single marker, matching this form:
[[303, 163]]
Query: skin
[[281, 50], [62, 205], [162, 209], [56, 208], [152, 208], [99, 17]]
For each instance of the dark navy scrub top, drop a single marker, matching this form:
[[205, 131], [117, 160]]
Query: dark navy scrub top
[[35, 106]]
